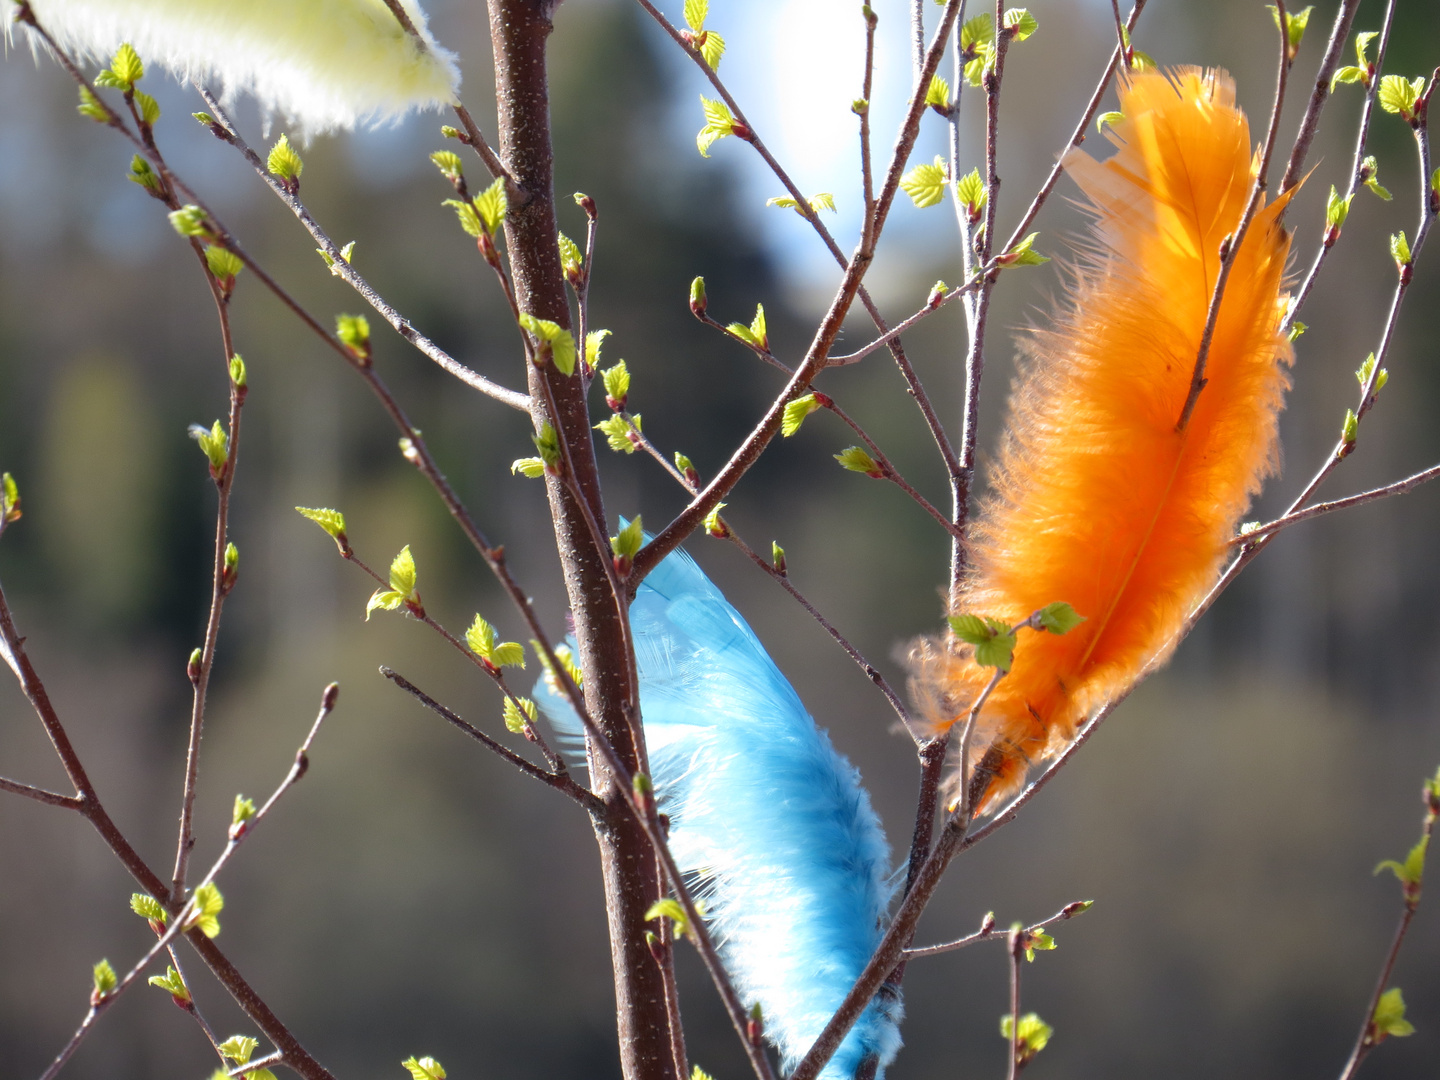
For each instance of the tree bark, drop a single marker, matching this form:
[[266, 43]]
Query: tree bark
[[519, 30]]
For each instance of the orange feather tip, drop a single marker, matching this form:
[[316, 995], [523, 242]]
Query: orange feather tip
[[1098, 498]]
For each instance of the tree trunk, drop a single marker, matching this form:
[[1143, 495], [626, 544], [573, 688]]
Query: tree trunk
[[518, 30]]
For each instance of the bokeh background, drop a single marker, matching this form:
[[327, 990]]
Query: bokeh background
[[413, 895]]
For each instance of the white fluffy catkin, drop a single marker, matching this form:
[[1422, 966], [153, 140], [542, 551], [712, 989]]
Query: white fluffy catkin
[[321, 64]]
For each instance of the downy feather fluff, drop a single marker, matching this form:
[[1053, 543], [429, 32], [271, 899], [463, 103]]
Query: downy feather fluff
[[773, 823], [1097, 499], [323, 64]]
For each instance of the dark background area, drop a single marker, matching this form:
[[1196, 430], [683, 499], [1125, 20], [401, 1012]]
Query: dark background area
[[413, 895]]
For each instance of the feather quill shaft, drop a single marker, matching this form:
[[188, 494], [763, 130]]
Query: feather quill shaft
[[1097, 498], [787, 852]]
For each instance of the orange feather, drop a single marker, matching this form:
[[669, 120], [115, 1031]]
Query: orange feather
[[1097, 499]]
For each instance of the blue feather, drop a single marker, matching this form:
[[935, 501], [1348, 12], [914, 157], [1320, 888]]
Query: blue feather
[[773, 824]]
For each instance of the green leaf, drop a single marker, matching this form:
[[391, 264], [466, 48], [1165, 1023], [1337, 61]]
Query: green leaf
[[1367, 369], [1110, 118], [223, 262], [141, 173], [695, 13], [1294, 28], [449, 164], [532, 467], [354, 333], [937, 95], [208, 904], [718, 124], [711, 46], [617, 383], [469, 219], [1399, 95], [971, 629], [697, 1073], [147, 907], [548, 444], [617, 430], [1037, 941], [481, 638], [571, 258], [215, 443], [1023, 254], [238, 1048], [757, 328], [970, 190], [714, 525], [1400, 249], [1349, 75], [283, 161], [1020, 23], [9, 499], [593, 340], [1362, 46], [125, 65], [172, 983], [856, 459], [997, 652], [517, 719], [560, 342], [567, 661], [402, 571], [925, 184], [426, 1068], [1412, 870], [332, 521], [977, 31], [823, 200], [698, 300], [105, 978], [1034, 1034], [1336, 209], [148, 108], [667, 907], [509, 654], [795, 413], [1389, 1018], [1059, 618], [1297, 329], [243, 812], [1350, 427], [777, 556], [626, 543], [492, 205], [683, 463], [190, 220], [345, 253], [90, 106]]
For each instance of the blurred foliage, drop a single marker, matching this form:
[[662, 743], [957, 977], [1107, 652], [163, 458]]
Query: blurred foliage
[[414, 896]]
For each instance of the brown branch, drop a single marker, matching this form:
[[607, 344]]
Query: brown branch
[[1344, 18], [1015, 943], [49, 798], [560, 781], [867, 176], [1230, 246], [220, 585]]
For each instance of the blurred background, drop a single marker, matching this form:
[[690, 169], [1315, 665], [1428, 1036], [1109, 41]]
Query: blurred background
[[413, 895]]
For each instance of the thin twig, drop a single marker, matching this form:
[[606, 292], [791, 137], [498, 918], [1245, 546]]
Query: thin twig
[[560, 781], [1230, 246], [867, 177], [220, 585], [345, 270], [49, 798], [1344, 18], [1017, 953], [1399, 487], [899, 328], [782, 578], [1366, 1041], [987, 932]]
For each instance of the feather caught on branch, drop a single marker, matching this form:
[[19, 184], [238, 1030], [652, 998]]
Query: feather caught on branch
[[1099, 498], [774, 825], [322, 64]]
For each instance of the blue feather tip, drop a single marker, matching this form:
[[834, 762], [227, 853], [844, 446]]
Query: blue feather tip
[[771, 823]]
